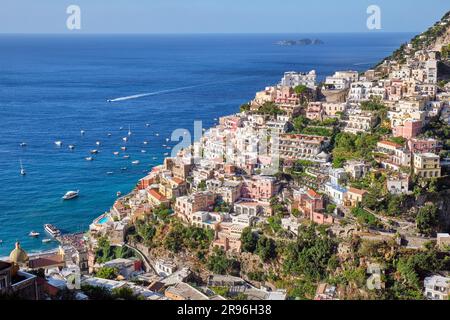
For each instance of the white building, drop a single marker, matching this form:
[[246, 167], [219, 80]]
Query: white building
[[293, 79], [437, 287]]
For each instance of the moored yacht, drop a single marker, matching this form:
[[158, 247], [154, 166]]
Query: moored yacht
[[71, 194], [52, 230]]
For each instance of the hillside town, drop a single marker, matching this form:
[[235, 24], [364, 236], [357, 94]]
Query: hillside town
[[328, 190]]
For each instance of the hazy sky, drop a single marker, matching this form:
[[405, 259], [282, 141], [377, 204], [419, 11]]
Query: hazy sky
[[217, 16]]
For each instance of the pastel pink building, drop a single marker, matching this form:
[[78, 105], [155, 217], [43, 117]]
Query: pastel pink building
[[322, 218], [409, 129], [231, 122], [308, 202], [287, 95], [259, 188], [314, 111], [396, 90], [186, 206], [424, 145]]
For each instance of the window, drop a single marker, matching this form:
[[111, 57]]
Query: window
[[2, 283]]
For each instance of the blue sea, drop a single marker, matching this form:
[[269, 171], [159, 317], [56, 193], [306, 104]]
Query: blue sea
[[53, 86]]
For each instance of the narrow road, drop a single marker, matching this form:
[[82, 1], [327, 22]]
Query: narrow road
[[145, 259]]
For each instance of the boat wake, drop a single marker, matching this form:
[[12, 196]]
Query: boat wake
[[154, 93], [363, 63]]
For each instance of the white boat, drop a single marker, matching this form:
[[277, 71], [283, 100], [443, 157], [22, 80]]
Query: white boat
[[167, 139], [135, 162], [52, 230], [126, 156], [121, 128], [82, 132], [34, 234], [125, 139], [145, 142], [116, 153], [154, 158], [143, 151], [71, 146], [123, 169], [157, 134], [109, 173], [166, 154], [129, 130], [109, 134], [97, 143], [94, 151], [168, 148], [71, 194], [89, 158], [58, 143], [119, 193], [46, 240], [22, 169], [147, 125], [164, 145], [23, 144], [123, 148]]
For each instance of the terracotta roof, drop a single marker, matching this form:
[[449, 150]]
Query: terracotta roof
[[312, 193], [357, 191], [177, 180], [155, 194], [46, 261]]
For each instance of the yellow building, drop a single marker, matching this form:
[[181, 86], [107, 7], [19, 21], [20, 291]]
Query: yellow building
[[427, 165]]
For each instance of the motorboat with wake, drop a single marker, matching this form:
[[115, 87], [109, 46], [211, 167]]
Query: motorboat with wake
[[22, 169], [34, 234]]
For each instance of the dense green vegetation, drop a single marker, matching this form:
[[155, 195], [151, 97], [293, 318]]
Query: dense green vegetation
[[219, 263], [427, 219], [310, 255], [365, 218], [181, 237], [105, 252], [323, 128], [270, 108], [107, 273], [349, 146]]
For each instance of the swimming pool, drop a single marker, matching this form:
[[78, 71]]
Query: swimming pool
[[103, 220]]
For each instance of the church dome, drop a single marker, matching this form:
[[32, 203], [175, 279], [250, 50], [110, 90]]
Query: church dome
[[18, 255]]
